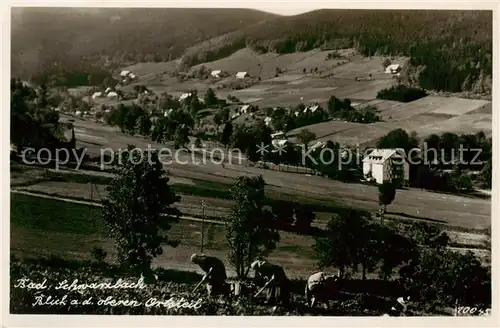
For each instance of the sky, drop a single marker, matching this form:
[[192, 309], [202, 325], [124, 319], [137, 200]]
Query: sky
[[280, 7]]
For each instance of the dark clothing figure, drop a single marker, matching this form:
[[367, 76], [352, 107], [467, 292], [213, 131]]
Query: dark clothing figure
[[215, 274], [319, 288], [278, 289]]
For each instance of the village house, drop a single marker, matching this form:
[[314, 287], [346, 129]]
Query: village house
[[311, 108], [278, 135], [113, 94], [318, 144], [279, 139], [268, 120], [241, 75], [108, 89], [393, 69], [216, 73], [124, 73], [278, 143], [244, 109], [184, 96], [167, 112], [383, 165], [96, 95]]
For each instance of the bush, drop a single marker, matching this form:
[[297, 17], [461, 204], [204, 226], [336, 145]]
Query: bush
[[401, 93]]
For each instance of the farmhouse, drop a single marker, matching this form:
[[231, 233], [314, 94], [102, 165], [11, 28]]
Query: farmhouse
[[96, 95], [268, 120], [278, 143], [124, 73], [312, 108], [216, 73], [112, 94], [244, 109], [386, 165], [132, 76], [278, 135], [184, 96], [318, 144], [241, 75], [393, 69], [278, 139], [108, 89]]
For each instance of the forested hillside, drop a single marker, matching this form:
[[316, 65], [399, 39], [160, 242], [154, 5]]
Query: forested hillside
[[113, 36], [449, 50]]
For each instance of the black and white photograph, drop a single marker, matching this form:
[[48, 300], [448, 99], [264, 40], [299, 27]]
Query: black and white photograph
[[251, 162]]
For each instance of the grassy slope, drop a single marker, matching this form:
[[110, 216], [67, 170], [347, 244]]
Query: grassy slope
[[73, 230], [194, 188]]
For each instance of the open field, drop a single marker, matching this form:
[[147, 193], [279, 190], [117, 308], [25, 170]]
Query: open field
[[448, 211], [331, 77], [264, 65], [425, 116], [74, 230], [149, 71]]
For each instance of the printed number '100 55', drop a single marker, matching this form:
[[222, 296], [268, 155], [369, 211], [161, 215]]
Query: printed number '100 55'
[[466, 310]]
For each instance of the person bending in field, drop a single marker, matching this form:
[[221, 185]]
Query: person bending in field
[[215, 274], [319, 288], [278, 288]]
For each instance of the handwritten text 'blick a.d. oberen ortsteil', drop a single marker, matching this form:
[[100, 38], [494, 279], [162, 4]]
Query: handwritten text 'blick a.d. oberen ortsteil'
[[75, 286]]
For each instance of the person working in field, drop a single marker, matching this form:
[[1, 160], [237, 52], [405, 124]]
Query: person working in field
[[319, 288], [400, 307], [276, 281], [215, 274]]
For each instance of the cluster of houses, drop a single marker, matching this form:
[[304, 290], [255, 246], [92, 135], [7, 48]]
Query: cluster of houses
[[186, 95], [312, 108], [109, 93], [127, 76], [268, 119], [218, 74], [379, 165]]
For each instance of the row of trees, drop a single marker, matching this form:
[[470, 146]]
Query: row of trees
[[33, 108], [441, 154], [178, 123], [60, 76], [286, 120], [438, 165], [343, 110]]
